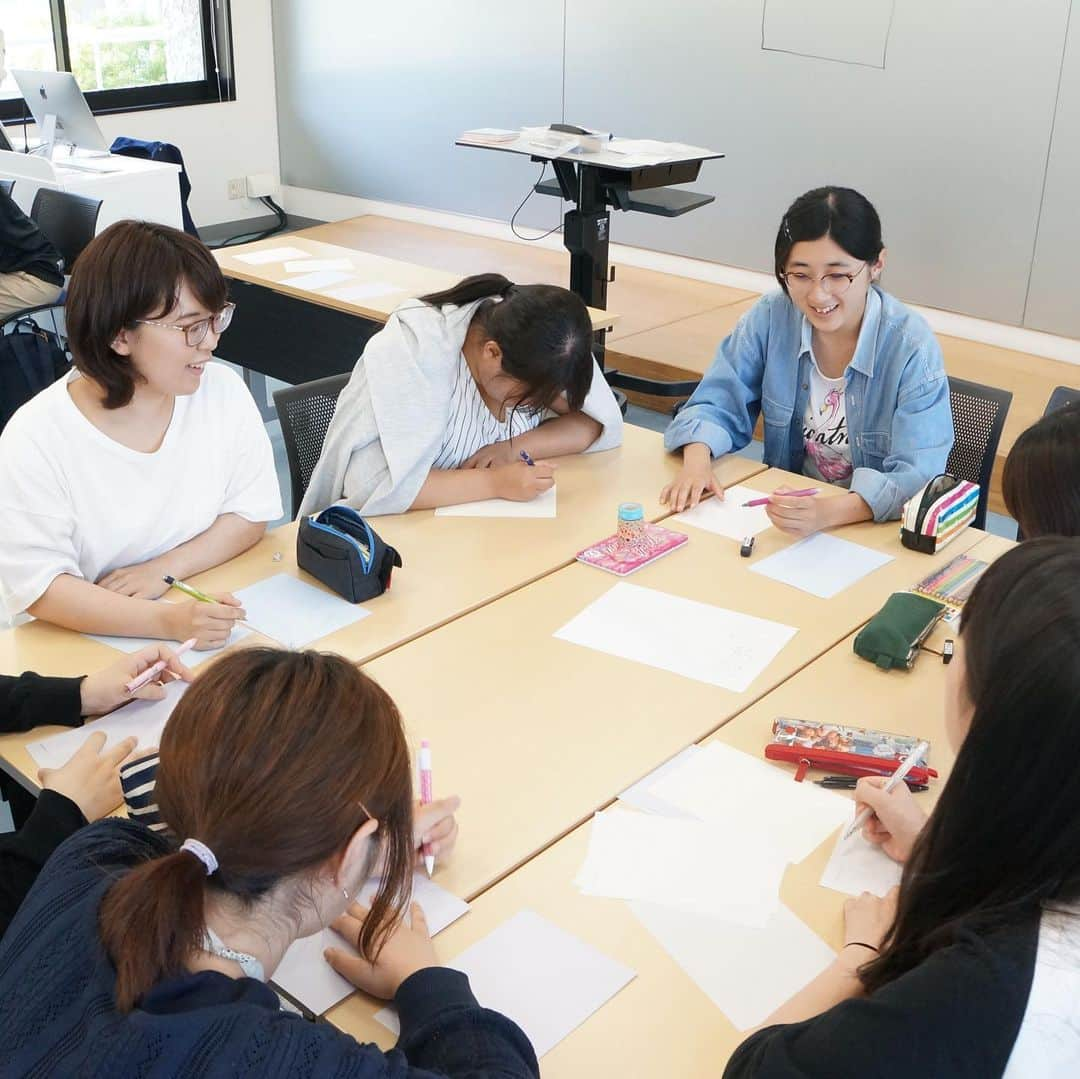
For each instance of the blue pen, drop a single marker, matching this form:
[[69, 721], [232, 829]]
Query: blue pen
[[526, 458]]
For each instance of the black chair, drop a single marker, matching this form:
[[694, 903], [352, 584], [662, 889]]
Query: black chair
[[305, 412], [68, 221], [978, 419], [7, 186], [1062, 396]]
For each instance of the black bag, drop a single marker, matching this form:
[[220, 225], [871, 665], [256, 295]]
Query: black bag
[[339, 548], [30, 360]]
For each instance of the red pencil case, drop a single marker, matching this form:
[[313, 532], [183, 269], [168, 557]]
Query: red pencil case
[[836, 763]]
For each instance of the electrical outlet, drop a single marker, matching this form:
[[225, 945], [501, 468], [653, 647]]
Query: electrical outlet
[[237, 188]]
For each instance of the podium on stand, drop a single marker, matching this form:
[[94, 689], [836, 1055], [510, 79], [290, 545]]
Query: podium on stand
[[638, 176]]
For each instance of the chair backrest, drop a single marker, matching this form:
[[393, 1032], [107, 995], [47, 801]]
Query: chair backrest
[[1062, 396], [978, 419], [6, 186], [305, 412], [68, 221]]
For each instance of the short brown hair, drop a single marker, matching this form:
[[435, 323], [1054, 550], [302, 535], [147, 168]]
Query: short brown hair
[[273, 759], [133, 270], [1041, 478]]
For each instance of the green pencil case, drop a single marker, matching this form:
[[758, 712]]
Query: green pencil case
[[892, 637]]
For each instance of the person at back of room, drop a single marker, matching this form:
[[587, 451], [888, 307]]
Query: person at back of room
[[850, 383], [30, 273], [150, 459], [447, 396], [152, 950], [1041, 480], [972, 969]]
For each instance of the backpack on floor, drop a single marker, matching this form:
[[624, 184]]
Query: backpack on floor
[[30, 360]]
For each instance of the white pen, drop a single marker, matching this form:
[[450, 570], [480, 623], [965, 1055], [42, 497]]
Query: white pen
[[897, 777], [425, 795]]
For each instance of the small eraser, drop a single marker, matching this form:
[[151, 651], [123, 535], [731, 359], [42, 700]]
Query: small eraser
[[947, 650], [747, 548]]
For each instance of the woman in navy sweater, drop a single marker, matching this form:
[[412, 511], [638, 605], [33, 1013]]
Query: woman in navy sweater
[[285, 778]]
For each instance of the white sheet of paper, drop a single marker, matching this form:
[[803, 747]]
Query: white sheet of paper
[[640, 797], [746, 973], [856, 866], [370, 290], [295, 613], [710, 644], [681, 863], [543, 505], [145, 720], [548, 981], [191, 658], [719, 783], [312, 282], [310, 265], [306, 976], [728, 517], [272, 254], [822, 565]]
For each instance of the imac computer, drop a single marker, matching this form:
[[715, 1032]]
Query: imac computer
[[60, 110]]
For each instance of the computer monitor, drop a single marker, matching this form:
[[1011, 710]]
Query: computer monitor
[[56, 93]]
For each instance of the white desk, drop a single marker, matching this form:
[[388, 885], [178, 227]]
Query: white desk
[[145, 190]]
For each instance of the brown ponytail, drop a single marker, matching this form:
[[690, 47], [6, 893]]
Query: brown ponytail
[[470, 289], [270, 760]]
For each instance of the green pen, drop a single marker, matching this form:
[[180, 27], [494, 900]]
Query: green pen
[[202, 597]]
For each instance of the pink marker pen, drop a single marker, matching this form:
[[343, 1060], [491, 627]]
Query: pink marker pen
[[808, 493], [425, 795], [155, 669]]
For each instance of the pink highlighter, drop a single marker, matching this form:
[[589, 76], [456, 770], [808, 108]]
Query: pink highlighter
[[807, 493], [425, 794]]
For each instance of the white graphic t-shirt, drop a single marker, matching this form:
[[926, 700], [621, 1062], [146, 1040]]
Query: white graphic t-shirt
[[825, 435]]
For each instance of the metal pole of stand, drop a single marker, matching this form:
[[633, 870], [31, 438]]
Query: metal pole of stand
[[585, 234]]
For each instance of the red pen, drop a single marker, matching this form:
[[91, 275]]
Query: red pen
[[807, 493]]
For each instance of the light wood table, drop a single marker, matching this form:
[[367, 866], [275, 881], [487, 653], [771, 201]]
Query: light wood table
[[644, 298], [535, 733], [662, 1024], [452, 565], [408, 279]]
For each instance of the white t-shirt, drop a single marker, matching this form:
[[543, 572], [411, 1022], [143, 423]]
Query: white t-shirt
[[825, 434], [472, 426], [73, 500]]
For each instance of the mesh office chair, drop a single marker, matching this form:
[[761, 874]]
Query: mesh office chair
[[68, 221], [305, 412], [6, 186], [978, 419], [1062, 396]]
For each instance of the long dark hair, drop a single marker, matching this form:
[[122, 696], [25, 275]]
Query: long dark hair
[[1041, 480], [272, 759], [1005, 835], [544, 332], [840, 212]]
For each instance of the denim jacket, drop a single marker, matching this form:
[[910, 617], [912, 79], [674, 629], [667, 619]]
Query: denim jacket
[[896, 394]]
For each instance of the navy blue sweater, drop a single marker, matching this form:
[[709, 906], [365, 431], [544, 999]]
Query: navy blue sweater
[[57, 1015]]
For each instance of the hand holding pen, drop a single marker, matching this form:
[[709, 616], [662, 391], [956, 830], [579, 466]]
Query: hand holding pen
[[209, 619]]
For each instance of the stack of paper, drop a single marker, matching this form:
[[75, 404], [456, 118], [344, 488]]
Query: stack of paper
[[305, 975], [546, 980], [144, 720], [703, 874]]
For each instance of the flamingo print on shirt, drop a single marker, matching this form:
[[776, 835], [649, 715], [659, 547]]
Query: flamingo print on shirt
[[825, 437]]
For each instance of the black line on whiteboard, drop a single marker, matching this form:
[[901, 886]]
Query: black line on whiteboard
[[831, 59], [1046, 169], [562, 115]]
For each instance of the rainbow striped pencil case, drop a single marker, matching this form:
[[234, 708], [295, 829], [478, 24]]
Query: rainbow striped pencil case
[[938, 513]]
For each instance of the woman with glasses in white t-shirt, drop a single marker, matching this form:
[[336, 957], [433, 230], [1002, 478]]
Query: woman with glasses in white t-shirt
[[148, 460], [849, 383]]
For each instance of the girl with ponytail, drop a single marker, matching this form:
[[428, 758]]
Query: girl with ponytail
[[140, 953], [450, 392]]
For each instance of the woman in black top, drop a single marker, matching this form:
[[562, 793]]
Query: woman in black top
[[87, 786], [30, 274], [973, 968], [285, 781]]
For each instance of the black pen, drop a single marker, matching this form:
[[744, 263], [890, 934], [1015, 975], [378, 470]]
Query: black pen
[[847, 783]]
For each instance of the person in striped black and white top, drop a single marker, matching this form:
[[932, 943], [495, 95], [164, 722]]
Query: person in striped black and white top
[[453, 388]]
